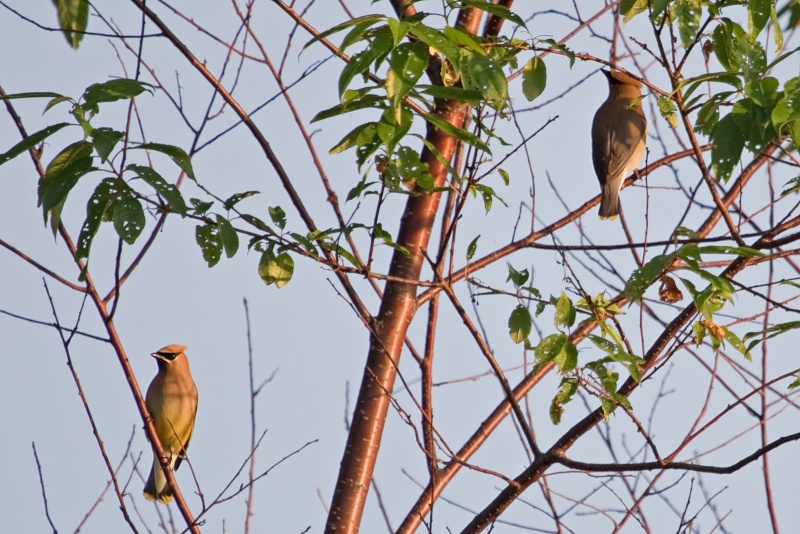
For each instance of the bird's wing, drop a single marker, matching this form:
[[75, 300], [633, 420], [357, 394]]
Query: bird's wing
[[601, 154], [623, 143]]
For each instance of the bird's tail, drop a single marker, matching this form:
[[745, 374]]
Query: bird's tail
[[156, 486], [609, 205]]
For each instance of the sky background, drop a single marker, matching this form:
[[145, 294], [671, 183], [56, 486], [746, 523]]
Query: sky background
[[305, 333]]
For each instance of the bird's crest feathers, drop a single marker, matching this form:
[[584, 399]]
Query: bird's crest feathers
[[617, 77]]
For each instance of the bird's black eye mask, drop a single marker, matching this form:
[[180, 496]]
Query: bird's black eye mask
[[169, 356]]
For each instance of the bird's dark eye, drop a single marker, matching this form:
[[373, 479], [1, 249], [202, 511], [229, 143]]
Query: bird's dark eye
[[168, 355]]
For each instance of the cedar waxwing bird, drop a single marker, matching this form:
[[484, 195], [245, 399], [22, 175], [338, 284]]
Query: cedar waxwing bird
[[618, 138], [172, 402]]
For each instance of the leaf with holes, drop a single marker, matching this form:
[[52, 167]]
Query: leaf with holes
[[129, 219], [168, 191], [104, 195], [208, 237]]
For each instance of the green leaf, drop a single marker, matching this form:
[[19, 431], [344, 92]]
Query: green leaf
[[758, 14], [562, 48], [565, 312], [354, 104], [210, 241], [754, 123], [464, 38], [238, 197], [436, 40], [379, 233], [567, 359], [406, 63], [519, 324], [722, 37], [470, 96], [534, 78], [504, 175], [644, 276], [567, 389], [795, 383], [687, 15], [200, 206], [168, 191], [408, 167], [439, 157], [113, 90], [763, 92], [786, 110], [707, 117], [73, 17], [340, 251], [667, 109], [487, 193], [307, 244], [82, 114], [33, 94], [374, 19], [497, 10], [458, 133], [549, 348], [696, 82], [104, 195], [750, 55], [736, 343], [63, 173], [769, 333], [517, 277], [358, 33], [603, 344], [392, 128], [744, 252], [278, 216], [359, 189], [178, 155], [57, 100], [729, 143], [657, 7], [274, 269], [104, 141], [129, 219], [486, 75], [354, 137], [360, 63], [229, 237], [776, 27], [472, 247], [31, 141], [631, 8], [398, 28]]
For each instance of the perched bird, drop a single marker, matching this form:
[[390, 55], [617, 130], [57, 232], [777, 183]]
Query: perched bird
[[172, 402], [618, 138]]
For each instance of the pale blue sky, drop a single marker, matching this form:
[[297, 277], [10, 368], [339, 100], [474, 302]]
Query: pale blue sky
[[305, 330]]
